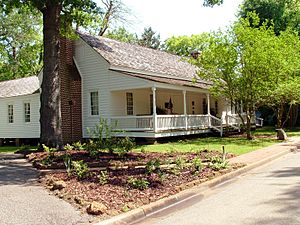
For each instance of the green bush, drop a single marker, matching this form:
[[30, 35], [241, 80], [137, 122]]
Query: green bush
[[136, 183], [78, 145], [68, 164], [68, 147], [81, 169], [50, 151], [197, 164], [103, 177], [217, 163], [92, 148], [153, 166]]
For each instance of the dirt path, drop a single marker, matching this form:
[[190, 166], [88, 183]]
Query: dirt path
[[24, 202]]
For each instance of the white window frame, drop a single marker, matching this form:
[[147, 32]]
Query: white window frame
[[10, 113], [97, 112], [129, 104], [27, 112]]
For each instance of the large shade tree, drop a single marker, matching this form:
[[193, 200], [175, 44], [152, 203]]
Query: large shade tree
[[20, 43], [55, 14], [245, 62]]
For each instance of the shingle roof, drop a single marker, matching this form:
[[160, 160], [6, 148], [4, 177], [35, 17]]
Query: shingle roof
[[18, 87], [138, 58]]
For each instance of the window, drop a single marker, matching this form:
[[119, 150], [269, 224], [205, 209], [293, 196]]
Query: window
[[10, 113], [27, 112], [94, 103], [129, 100]]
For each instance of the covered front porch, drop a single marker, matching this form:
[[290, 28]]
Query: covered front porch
[[166, 110]]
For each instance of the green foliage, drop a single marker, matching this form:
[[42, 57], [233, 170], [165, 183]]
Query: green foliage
[[217, 163], [79, 146], [180, 163], [103, 139], [244, 62], [121, 34], [185, 45], [49, 150], [81, 169], [68, 164], [25, 147], [68, 147], [282, 14], [20, 43], [197, 164], [103, 177], [153, 166], [150, 39], [137, 183]]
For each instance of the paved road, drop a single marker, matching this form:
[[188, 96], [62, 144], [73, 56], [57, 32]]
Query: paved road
[[269, 195], [24, 202]]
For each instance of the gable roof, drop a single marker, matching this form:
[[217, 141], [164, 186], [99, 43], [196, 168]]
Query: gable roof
[[146, 62], [18, 87]]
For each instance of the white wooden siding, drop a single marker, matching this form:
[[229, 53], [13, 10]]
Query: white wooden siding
[[20, 129], [96, 76]]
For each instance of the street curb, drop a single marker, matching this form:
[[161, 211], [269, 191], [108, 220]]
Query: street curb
[[188, 194]]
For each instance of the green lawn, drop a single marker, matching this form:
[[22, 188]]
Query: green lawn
[[234, 145], [271, 131], [9, 149]]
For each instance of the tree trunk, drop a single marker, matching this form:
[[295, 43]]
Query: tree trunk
[[280, 111], [50, 111], [248, 127]]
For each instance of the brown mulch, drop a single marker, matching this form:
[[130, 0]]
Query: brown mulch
[[117, 194]]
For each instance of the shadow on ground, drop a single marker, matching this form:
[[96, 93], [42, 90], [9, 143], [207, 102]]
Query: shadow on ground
[[16, 171]]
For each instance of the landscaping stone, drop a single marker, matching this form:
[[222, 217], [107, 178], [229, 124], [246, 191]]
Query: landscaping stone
[[96, 208], [281, 135], [58, 185]]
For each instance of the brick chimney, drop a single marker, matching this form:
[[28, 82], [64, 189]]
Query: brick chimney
[[71, 111]]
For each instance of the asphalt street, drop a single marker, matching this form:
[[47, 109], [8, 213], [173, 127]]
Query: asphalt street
[[24, 202], [269, 195]]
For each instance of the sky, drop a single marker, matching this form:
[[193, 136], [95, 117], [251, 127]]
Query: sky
[[179, 17]]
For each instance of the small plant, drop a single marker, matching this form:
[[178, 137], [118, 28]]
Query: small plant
[[136, 183], [197, 164], [68, 147], [103, 177], [123, 146], [68, 164], [217, 163], [50, 151], [81, 169], [125, 208], [24, 147], [143, 150], [92, 148], [78, 145], [153, 166], [180, 163]]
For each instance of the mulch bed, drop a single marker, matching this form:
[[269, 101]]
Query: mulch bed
[[117, 194]]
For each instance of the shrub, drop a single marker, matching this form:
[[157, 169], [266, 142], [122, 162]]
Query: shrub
[[180, 163], [103, 177], [78, 145], [197, 164], [92, 148], [153, 166], [24, 147], [49, 150], [217, 163], [81, 169], [136, 183], [68, 147]]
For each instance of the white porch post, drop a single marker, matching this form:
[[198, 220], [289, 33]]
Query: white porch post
[[154, 109], [226, 116], [208, 109], [184, 109]]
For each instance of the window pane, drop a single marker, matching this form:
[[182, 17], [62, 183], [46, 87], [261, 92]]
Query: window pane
[[94, 103], [27, 112], [129, 100], [10, 113]]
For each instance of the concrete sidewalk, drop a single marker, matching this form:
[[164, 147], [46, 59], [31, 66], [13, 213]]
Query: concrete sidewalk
[[252, 160]]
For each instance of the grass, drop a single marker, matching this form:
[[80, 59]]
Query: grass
[[11, 149], [8, 149], [236, 145]]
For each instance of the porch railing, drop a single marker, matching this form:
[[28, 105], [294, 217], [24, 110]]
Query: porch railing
[[132, 123]]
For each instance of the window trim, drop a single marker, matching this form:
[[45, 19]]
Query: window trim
[[24, 105], [10, 117], [90, 103], [127, 106]]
